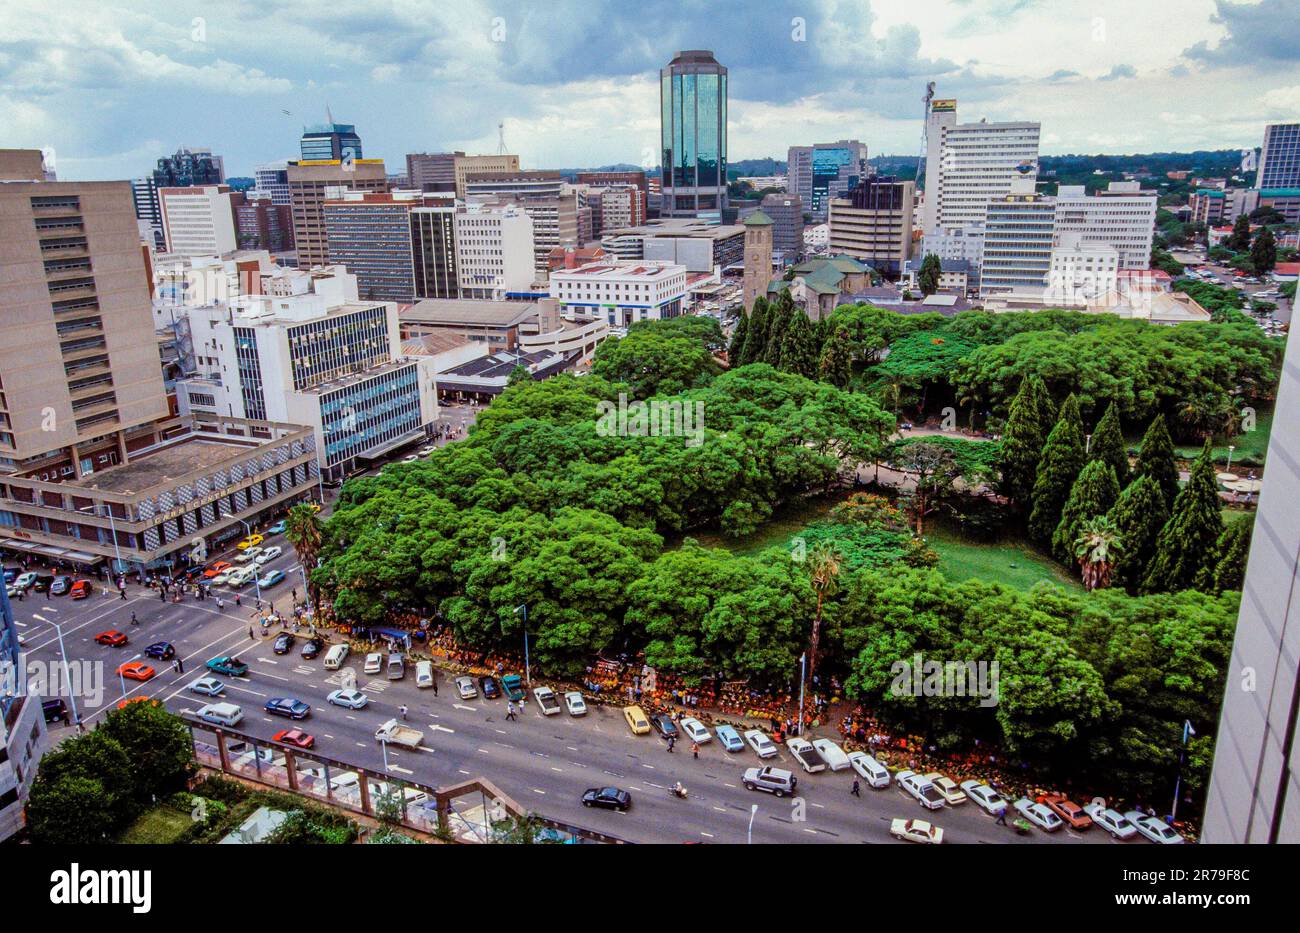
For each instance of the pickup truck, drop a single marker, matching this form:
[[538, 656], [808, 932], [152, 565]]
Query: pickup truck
[[806, 755], [394, 733], [513, 686], [547, 700], [231, 667]]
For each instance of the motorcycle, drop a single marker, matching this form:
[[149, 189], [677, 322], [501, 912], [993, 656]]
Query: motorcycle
[[678, 790]]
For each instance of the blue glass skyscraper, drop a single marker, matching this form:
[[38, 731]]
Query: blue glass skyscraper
[[330, 142], [693, 107]]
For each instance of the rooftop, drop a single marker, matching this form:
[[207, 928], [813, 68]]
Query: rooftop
[[647, 269], [193, 452], [451, 311]]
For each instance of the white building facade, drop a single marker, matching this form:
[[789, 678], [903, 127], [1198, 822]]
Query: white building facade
[[622, 291], [494, 250], [1122, 217], [198, 221]]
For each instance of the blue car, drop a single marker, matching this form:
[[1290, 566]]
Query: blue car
[[730, 738], [162, 650], [271, 579], [277, 529], [288, 706]]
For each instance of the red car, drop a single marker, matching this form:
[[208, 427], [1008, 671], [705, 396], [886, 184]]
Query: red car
[[217, 568], [1067, 810], [81, 589], [295, 737], [136, 670], [113, 638]]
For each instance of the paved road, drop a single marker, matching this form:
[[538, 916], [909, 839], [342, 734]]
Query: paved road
[[543, 762]]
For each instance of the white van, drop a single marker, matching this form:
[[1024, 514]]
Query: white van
[[424, 673], [873, 772], [335, 657], [221, 714], [396, 667]]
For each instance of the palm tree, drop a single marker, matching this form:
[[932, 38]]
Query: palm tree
[[824, 567], [303, 531], [1097, 546]]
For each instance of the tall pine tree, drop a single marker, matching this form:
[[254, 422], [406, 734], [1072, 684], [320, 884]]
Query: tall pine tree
[[736, 349], [1108, 444], [1022, 442], [1156, 460], [1187, 548], [1093, 494], [1233, 547], [756, 338], [779, 317], [1057, 470], [798, 353], [1139, 515], [836, 363]]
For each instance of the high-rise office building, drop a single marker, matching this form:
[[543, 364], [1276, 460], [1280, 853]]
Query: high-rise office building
[[967, 164], [1254, 791], [546, 198], [693, 129], [200, 220], [307, 184], [189, 167], [494, 250], [1019, 234], [370, 234], [1279, 159], [144, 192], [786, 211], [432, 171], [331, 141], [263, 224], [465, 166], [433, 247], [873, 223], [824, 171], [1122, 217], [272, 182]]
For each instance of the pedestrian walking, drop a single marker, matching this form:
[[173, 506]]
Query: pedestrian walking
[[237, 600], [435, 686], [402, 709], [695, 749], [510, 711], [122, 591], [221, 604], [671, 743], [1002, 816], [180, 665], [251, 636], [134, 620], [857, 788]]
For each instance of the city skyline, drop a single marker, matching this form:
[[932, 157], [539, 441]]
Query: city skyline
[[244, 80]]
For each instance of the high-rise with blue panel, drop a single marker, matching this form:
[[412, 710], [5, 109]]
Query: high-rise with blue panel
[[693, 108]]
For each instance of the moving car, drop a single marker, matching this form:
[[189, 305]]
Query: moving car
[[295, 737], [947, 788], [465, 688], [220, 714], [247, 556], [287, 706], [804, 753], [924, 792], [394, 733], [266, 555], [776, 781], [374, 663], [1154, 829], [636, 720], [546, 700], [217, 567], [54, 710], [60, 586], [513, 687], [1039, 814], [25, 581], [278, 528], [873, 772], [609, 798], [313, 647], [352, 699], [162, 650], [1067, 810], [231, 667], [916, 831], [208, 687], [1114, 822], [241, 576], [489, 686], [832, 754], [283, 642], [271, 579], [985, 797], [81, 589], [135, 670], [695, 730], [575, 704], [761, 744], [251, 541], [113, 638], [730, 738]]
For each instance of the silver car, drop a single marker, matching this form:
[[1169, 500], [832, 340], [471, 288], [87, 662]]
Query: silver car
[[465, 687], [1155, 829]]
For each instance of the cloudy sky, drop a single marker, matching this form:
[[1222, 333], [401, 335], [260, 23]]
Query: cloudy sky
[[111, 85]]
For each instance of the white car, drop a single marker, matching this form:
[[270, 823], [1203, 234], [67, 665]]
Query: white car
[[425, 451], [410, 458], [873, 772], [946, 786], [374, 663], [350, 699], [695, 730], [575, 704], [916, 831], [761, 744], [247, 555], [1110, 820], [1157, 830], [266, 555], [546, 701], [208, 686], [985, 797], [832, 754], [921, 789], [241, 576], [221, 579], [1039, 814], [465, 687]]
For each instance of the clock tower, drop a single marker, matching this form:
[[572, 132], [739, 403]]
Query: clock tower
[[758, 257]]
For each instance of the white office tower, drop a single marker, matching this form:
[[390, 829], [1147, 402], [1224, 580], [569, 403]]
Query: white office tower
[[1122, 217], [1018, 238], [967, 164], [494, 250]]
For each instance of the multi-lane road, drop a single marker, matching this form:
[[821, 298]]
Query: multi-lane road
[[545, 763]]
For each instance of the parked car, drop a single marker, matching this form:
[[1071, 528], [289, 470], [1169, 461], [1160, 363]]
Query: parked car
[[729, 738], [231, 667], [81, 589], [695, 730], [374, 663], [947, 788], [162, 650], [1039, 814], [832, 754], [512, 685], [313, 647], [271, 579], [61, 585], [25, 581], [287, 706], [54, 710], [266, 555], [113, 638], [283, 643], [664, 725], [609, 798], [636, 720], [465, 688], [546, 700], [575, 704], [488, 685], [351, 699], [1114, 822], [295, 737], [43, 582], [1154, 829], [808, 757], [777, 781], [208, 687], [924, 792], [985, 797], [135, 670], [1067, 810], [916, 831], [873, 772], [760, 743]]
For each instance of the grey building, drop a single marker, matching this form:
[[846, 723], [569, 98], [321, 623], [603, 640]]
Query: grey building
[[824, 171], [693, 123], [432, 171], [23, 738], [786, 211]]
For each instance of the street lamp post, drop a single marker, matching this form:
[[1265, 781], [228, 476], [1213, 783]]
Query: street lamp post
[[383, 743], [528, 675], [121, 676], [749, 833], [803, 658], [112, 525], [1087, 444], [67, 679], [248, 533], [1231, 448]]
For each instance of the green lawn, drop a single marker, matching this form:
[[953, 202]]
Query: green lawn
[[1011, 562], [160, 826], [1250, 448]]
